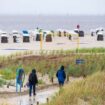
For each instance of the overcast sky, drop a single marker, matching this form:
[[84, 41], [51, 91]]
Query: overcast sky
[[71, 7]]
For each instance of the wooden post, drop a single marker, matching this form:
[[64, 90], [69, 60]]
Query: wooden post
[[8, 85], [37, 103], [41, 40], [47, 100], [67, 78], [52, 79], [78, 42]]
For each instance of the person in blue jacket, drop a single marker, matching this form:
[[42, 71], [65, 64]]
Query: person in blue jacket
[[20, 76], [61, 75]]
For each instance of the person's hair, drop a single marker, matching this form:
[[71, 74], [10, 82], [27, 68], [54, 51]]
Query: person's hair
[[33, 71], [62, 67]]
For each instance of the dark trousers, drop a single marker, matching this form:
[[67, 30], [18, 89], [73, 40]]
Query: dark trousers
[[32, 88], [61, 83]]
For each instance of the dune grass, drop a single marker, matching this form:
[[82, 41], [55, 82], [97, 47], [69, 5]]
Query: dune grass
[[89, 91], [49, 64], [92, 50]]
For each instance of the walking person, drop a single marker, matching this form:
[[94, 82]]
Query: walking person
[[20, 76], [61, 75], [33, 81]]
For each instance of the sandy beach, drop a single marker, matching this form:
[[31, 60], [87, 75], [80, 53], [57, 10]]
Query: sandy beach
[[58, 43]]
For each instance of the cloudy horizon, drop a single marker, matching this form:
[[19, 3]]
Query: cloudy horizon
[[52, 7]]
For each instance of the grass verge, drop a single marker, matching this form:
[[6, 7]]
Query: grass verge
[[90, 91]]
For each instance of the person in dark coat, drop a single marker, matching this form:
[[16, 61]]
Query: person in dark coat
[[33, 81], [61, 75]]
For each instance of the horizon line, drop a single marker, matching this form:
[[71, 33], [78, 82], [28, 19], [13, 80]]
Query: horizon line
[[52, 14]]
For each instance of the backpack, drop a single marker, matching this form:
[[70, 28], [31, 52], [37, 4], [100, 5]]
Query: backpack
[[33, 78], [30, 77]]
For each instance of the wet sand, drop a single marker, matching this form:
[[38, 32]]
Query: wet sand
[[41, 97]]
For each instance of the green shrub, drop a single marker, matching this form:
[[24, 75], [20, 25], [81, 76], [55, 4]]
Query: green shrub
[[40, 81], [7, 74], [2, 82]]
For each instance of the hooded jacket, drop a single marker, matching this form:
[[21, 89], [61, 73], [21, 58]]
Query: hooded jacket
[[61, 75], [33, 78]]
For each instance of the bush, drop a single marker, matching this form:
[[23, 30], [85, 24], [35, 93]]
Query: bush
[[7, 74], [2, 82], [40, 81]]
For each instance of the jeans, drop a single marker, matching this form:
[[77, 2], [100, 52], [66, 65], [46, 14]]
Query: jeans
[[18, 84], [32, 87]]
